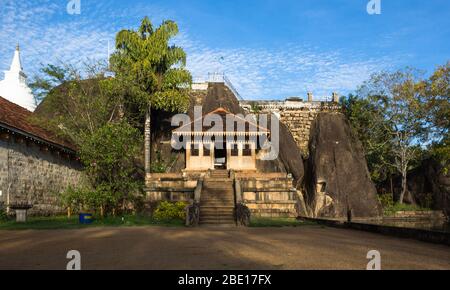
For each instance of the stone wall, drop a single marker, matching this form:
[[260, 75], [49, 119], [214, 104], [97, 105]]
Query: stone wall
[[267, 195], [35, 175], [296, 115]]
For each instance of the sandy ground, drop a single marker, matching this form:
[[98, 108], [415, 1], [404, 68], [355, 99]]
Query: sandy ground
[[307, 247]]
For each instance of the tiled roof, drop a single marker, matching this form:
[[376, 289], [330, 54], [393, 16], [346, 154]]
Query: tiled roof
[[245, 125], [18, 119]]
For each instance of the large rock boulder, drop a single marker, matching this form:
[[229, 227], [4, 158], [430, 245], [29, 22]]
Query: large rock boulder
[[428, 186], [337, 177]]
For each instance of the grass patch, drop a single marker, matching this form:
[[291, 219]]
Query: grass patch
[[393, 208], [62, 222], [278, 222]]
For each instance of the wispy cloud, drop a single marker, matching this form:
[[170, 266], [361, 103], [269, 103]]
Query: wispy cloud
[[48, 34], [291, 70]]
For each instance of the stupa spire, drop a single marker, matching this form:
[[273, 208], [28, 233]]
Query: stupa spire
[[14, 87], [16, 64]]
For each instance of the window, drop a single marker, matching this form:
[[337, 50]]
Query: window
[[247, 150], [234, 150], [206, 149], [195, 149]]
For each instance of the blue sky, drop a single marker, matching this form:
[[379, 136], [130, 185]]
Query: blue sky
[[269, 49]]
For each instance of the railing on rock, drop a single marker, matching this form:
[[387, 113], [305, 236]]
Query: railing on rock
[[222, 78]]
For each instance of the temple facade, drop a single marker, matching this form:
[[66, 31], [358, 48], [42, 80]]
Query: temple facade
[[221, 168]]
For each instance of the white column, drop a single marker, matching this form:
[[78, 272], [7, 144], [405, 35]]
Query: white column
[[188, 155]]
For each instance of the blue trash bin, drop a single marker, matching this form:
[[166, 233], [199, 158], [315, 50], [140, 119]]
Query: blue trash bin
[[86, 218]]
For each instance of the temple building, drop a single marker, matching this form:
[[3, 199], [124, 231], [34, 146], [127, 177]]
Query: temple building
[[14, 86], [220, 158], [231, 144]]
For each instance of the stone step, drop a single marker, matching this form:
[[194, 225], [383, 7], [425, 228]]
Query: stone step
[[217, 209], [215, 199], [216, 205], [217, 190], [222, 198], [218, 180], [217, 218], [217, 221], [218, 186]]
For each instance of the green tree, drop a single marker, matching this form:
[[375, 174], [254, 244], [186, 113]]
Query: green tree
[[365, 120], [436, 91], [75, 102], [108, 155], [396, 96], [151, 73]]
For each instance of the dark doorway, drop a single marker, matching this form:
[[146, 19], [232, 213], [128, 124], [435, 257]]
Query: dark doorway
[[220, 156]]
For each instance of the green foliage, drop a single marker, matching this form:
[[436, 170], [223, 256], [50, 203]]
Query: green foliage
[[3, 215], [160, 165], [78, 103], [401, 119], [108, 156], [170, 211], [386, 200], [75, 198], [402, 207], [150, 70], [436, 91], [365, 121], [255, 108], [390, 207]]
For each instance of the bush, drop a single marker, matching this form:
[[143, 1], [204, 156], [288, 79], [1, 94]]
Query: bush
[[170, 211], [390, 207], [386, 200], [3, 215]]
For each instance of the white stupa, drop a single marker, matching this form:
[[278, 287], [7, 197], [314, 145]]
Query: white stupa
[[14, 87]]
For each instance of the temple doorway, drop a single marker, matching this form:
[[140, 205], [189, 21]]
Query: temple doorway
[[220, 156]]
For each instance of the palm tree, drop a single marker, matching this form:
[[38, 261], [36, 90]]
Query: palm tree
[[151, 73]]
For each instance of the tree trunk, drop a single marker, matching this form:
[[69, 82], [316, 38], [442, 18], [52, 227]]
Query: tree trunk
[[147, 142], [404, 188], [392, 187]]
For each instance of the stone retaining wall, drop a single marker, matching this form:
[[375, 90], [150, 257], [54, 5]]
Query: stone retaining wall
[[270, 197], [32, 174], [297, 116]]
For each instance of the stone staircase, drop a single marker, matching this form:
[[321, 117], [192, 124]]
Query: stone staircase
[[217, 199]]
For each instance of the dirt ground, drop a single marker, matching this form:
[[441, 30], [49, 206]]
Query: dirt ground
[[307, 247]]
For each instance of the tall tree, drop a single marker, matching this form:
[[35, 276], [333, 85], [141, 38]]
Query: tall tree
[[151, 72], [365, 120], [397, 98], [75, 101], [436, 91]]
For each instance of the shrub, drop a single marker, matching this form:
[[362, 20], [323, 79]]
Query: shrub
[[170, 211], [386, 200], [3, 215], [74, 198]]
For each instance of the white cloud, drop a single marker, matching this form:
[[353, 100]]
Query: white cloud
[[285, 71], [48, 34]]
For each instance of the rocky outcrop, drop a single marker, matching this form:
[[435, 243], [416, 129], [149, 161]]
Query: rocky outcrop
[[428, 186], [337, 178]]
